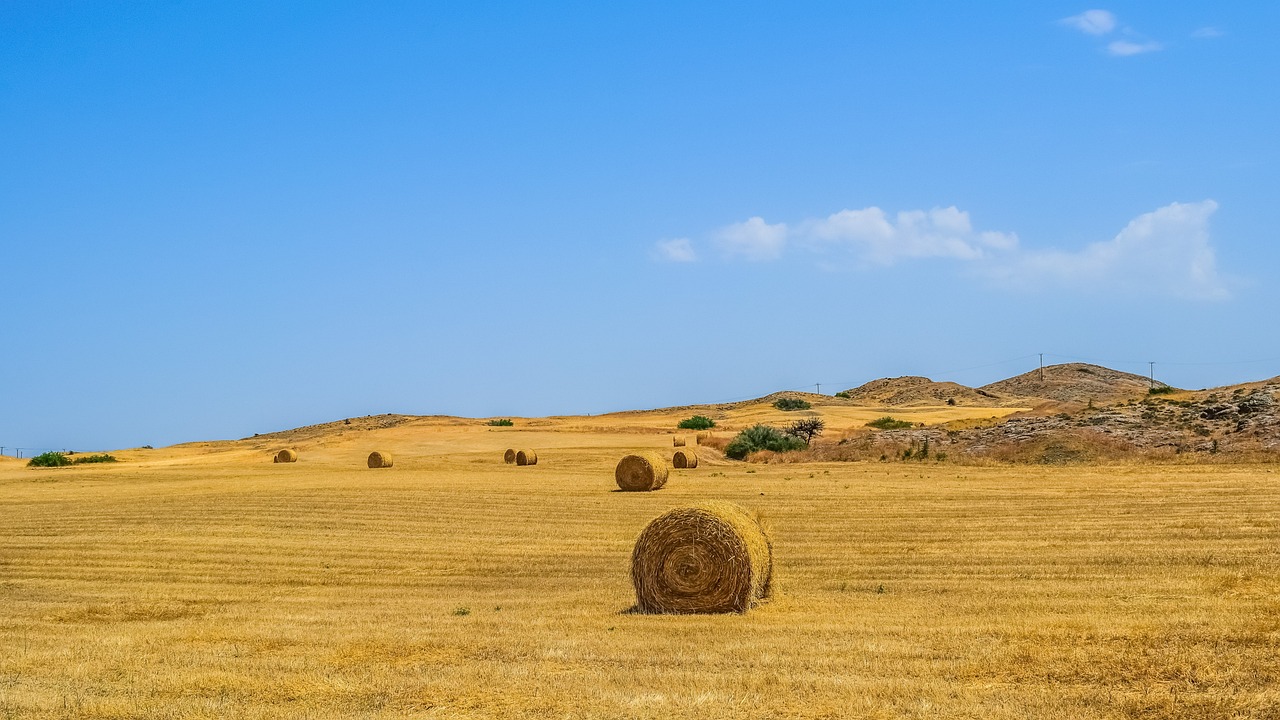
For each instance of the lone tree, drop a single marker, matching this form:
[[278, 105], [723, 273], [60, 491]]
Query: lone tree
[[807, 429]]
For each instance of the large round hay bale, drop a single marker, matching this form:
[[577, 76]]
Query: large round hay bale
[[380, 459], [286, 455], [509, 456], [677, 441], [685, 459], [647, 471], [526, 457], [712, 557]]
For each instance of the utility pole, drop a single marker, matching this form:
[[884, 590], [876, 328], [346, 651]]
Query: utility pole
[[1153, 374], [1041, 367], [819, 386]]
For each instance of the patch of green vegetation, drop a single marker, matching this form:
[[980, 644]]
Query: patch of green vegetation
[[697, 422], [500, 422], [93, 459], [844, 394], [49, 459], [1162, 390], [761, 437], [791, 404], [889, 423]]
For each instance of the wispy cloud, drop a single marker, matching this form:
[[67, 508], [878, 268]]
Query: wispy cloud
[[1208, 33], [1125, 48], [678, 250], [1091, 22], [754, 239], [1166, 252]]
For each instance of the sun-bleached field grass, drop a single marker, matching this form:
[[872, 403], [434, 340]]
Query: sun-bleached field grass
[[206, 582]]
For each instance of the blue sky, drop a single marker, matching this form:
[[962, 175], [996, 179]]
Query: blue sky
[[218, 219]]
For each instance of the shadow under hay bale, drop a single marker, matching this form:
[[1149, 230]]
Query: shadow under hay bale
[[677, 441], [509, 457], [285, 456], [684, 459], [526, 457], [380, 460], [640, 473], [712, 557]]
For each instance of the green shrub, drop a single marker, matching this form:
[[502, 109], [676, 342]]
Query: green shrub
[[93, 459], [501, 422], [889, 423], [791, 404], [1162, 390], [49, 459], [761, 437], [697, 422], [844, 394]]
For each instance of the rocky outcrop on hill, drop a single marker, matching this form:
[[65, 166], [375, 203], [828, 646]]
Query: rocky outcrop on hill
[[913, 390], [1074, 383]]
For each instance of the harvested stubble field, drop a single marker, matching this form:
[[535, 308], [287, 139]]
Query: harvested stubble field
[[206, 581]]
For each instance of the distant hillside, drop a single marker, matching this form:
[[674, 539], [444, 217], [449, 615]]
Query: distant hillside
[[913, 390], [1074, 383]]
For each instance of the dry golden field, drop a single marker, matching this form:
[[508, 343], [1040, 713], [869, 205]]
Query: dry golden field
[[204, 581]]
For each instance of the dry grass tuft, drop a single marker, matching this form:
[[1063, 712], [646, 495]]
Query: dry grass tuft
[[712, 557], [684, 459], [380, 460], [526, 457], [641, 472], [286, 455]]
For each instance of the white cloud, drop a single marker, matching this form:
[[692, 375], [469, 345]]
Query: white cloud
[[1125, 48], [1091, 22], [754, 239], [1208, 33], [676, 250], [1166, 252], [940, 232]]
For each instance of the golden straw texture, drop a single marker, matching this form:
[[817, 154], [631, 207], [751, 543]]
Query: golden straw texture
[[677, 441], [526, 457], [286, 456], [380, 460], [712, 557], [684, 459], [509, 456], [647, 471]]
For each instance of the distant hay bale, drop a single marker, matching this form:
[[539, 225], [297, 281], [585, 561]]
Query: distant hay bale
[[677, 441], [712, 557], [684, 459], [641, 473], [509, 456], [380, 459], [701, 438], [287, 455], [526, 457]]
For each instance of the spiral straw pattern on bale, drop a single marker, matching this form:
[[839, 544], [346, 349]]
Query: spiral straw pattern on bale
[[509, 456], [638, 473], [684, 459], [677, 441], [526, 457], [713, 557], [286, 456], [380, 460]]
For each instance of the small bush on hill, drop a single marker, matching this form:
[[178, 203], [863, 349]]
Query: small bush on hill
[[844, 394], [49, 459], [806, 429], [1162, 390], [697, 422], [93, 459], [791, 404], [501, 422], [761, 437], [889, 423]]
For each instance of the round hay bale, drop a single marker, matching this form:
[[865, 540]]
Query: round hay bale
[[509, 456], [380, 459], [286, 455], [641, 473], [701, 438], [712, 557], [685, 459], [677, 441], [526, 457]]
